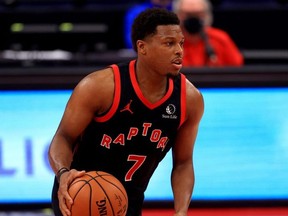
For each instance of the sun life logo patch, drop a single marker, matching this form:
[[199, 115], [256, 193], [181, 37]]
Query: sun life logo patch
[[170, 110]]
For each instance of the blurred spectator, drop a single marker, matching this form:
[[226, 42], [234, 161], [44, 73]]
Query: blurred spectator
[[204, 45], [135, 10]]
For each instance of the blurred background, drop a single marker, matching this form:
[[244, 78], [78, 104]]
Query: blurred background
[[241, 153]]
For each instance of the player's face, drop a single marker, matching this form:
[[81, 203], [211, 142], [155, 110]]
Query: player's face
[[165, 49]]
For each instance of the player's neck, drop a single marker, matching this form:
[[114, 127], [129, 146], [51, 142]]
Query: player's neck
[[152, 85]]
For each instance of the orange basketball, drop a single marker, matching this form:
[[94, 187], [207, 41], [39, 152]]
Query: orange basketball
[[98, 193]]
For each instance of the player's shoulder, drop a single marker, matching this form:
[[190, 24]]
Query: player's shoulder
[[96, 90], [105, 74], [194, 98], [96, 83], [98, 78], [191, 90]]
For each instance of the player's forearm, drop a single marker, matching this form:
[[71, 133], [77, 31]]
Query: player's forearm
[[182, 184], [60, 154]]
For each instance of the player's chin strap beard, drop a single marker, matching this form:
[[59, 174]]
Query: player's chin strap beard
[[170, 76]]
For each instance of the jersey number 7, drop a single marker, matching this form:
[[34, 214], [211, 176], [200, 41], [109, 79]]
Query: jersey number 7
[[139, 160]]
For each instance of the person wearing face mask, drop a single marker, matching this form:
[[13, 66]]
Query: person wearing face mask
[[204, 45]]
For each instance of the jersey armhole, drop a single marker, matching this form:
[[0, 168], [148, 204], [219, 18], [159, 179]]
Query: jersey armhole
[[116, 99], [182, 100]]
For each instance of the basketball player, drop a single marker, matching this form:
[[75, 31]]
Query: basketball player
[[123, 119]]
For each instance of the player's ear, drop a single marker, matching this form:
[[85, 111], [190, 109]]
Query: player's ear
[[141, 47]]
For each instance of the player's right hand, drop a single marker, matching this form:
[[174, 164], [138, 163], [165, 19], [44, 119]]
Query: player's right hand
[[65, 201]]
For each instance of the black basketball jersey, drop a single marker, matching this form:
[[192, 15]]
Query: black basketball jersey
[[134, 135]]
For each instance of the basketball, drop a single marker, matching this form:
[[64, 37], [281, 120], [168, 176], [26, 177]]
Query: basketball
[[98, 193]]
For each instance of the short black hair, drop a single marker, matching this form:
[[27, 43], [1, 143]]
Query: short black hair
[[147, 21]]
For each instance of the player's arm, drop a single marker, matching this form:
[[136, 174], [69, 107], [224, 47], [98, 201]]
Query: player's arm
[[88, 98], [182, 178]]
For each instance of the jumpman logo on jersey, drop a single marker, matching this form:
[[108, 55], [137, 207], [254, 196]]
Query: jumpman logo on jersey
[[127, 108]]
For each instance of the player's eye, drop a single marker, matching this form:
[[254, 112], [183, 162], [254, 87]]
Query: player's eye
[[169, 43]]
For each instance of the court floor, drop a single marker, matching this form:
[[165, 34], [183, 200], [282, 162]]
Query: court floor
[[224, 212], [281, 211]]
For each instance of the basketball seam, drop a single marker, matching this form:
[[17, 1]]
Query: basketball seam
[[107, 174], [99, 178], [86, 183], [124, 194], [108, 198]]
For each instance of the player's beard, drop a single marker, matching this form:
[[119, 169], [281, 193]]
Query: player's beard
[[172, 75]]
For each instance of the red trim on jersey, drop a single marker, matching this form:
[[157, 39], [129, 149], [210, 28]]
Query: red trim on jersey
[[116, 100], [139, 92], [183, 100]]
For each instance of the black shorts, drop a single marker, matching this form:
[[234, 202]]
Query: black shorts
[[55, 201]]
